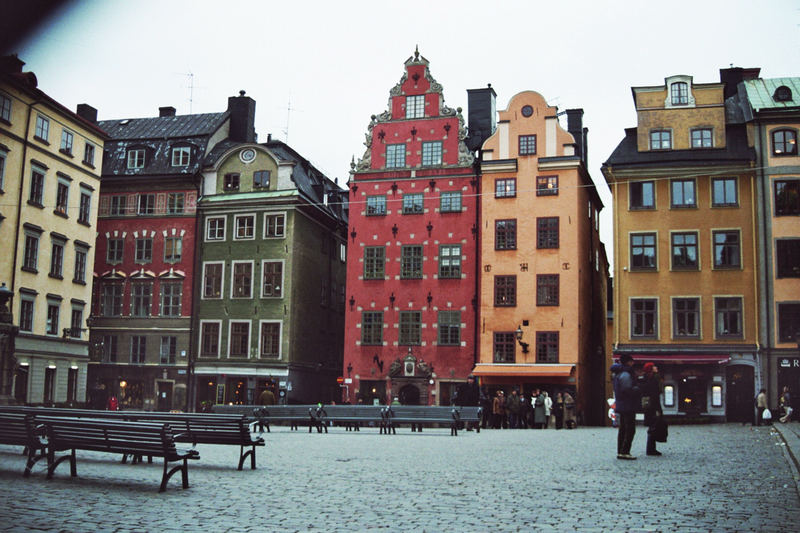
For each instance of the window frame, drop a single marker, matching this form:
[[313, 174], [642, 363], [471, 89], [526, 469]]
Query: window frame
[[242, 280], [181, 156], [450, 202], [641, 196], [679, 93], [648, 317], [171, 298], [176, 202], [701, 138], [262, 179], [79, 270], [30, 262], [547, 185], [67, 141], [504, 347], [57, 258], [789, 137], [117, 205], [85, 206], [724, 182], [448, 324], [718, 248], [786, 187], [207, 337], [502, 189], [371, 328], [276, 278], [36, 191], [526, 144], [660, 139], [242, 231], [215, 228], [674, 245], [505, 234], [448, 268], [5, 108], [682, 315], [138, 351], [678, 199], [723, 315], [413, 203], [135, 158], [410, 328], [268, 338], [641, 265], [237, 336], [115, 250], [415, 106], [547, 347], [42, 128], [411, 261], [146, 204], [548, 290], [374, 266], [112, 299], [53, 312], [273, 222], [376, 205], [788, 316], [547, 233], [173, 249], [505, 291], [787, 258], [432, 153], [141, 299], [395, 155], [216, 281], [144, 250], [26, 312], [168, 350], [88, 154]]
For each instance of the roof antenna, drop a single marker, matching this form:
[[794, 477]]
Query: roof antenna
[[288, 115]]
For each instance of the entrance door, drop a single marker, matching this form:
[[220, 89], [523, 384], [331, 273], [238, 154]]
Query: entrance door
[[409, 395], [164, 396], [740, 393]]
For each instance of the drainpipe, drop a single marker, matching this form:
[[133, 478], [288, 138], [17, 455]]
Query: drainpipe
[[19, 201], [476, 315], [762, 237], [191, 379]]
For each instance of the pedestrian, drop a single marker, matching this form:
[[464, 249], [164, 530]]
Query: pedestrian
[[627, 397], [486, 409], [499, 410], [570, 419], [267, 397], [548, 408], [558, 410], [525, 412], [512, 407], [786, 402], [113, 403], [469, 394], [651, 404], [539, 420], [761, 405]]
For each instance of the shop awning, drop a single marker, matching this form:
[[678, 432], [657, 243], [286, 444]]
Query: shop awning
[[235, 371], [683, 359], [523, 370]]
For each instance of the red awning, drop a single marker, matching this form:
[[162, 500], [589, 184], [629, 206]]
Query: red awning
[[683, 359]]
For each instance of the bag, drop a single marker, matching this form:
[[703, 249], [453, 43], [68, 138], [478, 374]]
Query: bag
[[766, 415], [645, 403], [661, 431]]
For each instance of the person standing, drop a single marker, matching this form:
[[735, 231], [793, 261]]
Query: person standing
[[627, 397], [267, 397], [786, 402], [469, 394], [499, 411], [512, 406], [539, 420], [761, 405], [651, 404], [558, 410], [548, 407]]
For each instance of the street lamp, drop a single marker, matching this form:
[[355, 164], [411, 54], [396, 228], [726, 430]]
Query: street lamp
[[519, 340]]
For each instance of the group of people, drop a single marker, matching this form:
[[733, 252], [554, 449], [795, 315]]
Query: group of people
[[784, 404], [632, 395]]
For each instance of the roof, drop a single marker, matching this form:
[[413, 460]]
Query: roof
[[163, 127], [627, 153], [761, 93]]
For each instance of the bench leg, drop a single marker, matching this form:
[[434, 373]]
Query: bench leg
[[184, 469], [33, 457], [52, 463], [243, 456]]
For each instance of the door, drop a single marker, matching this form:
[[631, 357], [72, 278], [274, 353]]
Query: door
[[740, 393], [409, 395], [164, 396]]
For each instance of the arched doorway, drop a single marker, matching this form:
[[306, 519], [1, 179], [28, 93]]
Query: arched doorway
[[409, 395], [740, 392]]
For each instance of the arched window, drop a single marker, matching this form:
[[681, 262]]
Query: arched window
[[679, 92], [784, 142]]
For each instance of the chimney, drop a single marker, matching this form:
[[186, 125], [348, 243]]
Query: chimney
[[482, 116], [11, 64], [87, 112], [731, 77], [242, 111], [166, 111], [575, 127]]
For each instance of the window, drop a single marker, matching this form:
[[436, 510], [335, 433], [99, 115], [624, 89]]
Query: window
[[788, 255], [504, 347], [449, 325], [242, 280], [726, 249], [209, 339], [5, 108], [180, 156], [642, 195], [784, 142], [415, 106], [546, 185], [728, 316], [3, 155], [411, 262], [372, 328], [171, 298], [173, 249], [110, 348], [788, 321], [175, 203], [111, 303], [724, 192], [505, 291], [787, 198], [395, 155], [141, 299], [76, 322], [114, 250], [57, 260], [412, 204], [270, 339], [684, 251], [212, 280], [547, 347], [644, 317], [84, 209], [147, 204], [374, 262], [215, 229], [240, 339], [643, 251], [274, 226], [88, 154], [450, 202], [80, 265], [138, 349], [547, 232], [272, 285], [144, 250], [683, 193], [702, 138], [49, 385], [505, 234], [527, 144], [244, 227], [376, 205], [261, 179], [31, 259], [231, 182], [37, 186], [62, 197], [169, 348], [450, 261], [117, 207], [410, 328], [42, 128], [505, 188], [52, 318], [547, 289], [26, 314], [685, 317], [136, 158], [66, 141], [679, 93], [660, 140], [432, 153]]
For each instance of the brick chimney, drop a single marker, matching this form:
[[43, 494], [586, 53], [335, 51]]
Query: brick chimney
[[576, 129], [731, 77], [481, 116], [242, 111], [166, 111], [87, 112]]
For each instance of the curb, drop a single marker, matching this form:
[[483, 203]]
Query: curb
[[789, 435]]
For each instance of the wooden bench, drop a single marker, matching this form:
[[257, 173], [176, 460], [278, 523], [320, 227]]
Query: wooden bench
[[114, 436], [293, 414], [417, 415], [20, 429], [352, 416]]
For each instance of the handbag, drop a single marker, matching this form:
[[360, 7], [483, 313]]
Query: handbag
[[661, 431], [766, 415]]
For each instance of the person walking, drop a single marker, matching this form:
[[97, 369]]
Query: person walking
[[469, 394], [627, 397], [786, 402], [761, 405], [499, 411], [651, 404]]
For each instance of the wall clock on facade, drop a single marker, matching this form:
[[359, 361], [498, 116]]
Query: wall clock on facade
[[527, 111], [247, 155]]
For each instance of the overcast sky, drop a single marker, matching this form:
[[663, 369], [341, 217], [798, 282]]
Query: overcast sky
[[318, 70]]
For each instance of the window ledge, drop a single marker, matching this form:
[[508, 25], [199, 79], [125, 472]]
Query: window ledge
[[84, 223], [78, 282], [89, 164], [35, 204], [43, 141], [55, 276], [62, 214], [29, 269], [66, 152]]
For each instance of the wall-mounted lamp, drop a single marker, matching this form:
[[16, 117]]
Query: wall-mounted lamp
[[354, 187], [447, 128], [519, 340], [473, 182], [429, 227], [353, 234], [349, 369], [413, 132], [352, 302], [394, 187], [432, 183], [394, 230], [430, 298], [378, 362], [474, 231], [381, 134], [391, 299]]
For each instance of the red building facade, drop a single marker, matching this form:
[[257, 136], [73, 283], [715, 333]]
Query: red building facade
[[411, 267]]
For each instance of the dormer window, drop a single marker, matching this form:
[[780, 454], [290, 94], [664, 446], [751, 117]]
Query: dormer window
[[782, 94], [415, 106], [261, 179], [136, 158], [232, 182], [679, 93], [660, 140], [180, 156]]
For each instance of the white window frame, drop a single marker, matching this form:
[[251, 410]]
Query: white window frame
[[42, 130], [236, 219], [67, 141], [3, 160], [249, 335], [135, 158], [5, 107], [208, 228], [267, 216], [233, 279], [283, 278], [433, 151], [280, 339], [181, 155], [200, 337], [415, 106], [221, 281]]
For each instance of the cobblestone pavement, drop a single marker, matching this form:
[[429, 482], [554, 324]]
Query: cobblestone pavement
[[724, 477]]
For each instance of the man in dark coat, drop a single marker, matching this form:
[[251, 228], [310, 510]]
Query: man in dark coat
[[469, 394], [626, 394], [651, 404]]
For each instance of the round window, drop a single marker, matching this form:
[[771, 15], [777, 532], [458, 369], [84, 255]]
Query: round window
[[527, 111], [247, 155]]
